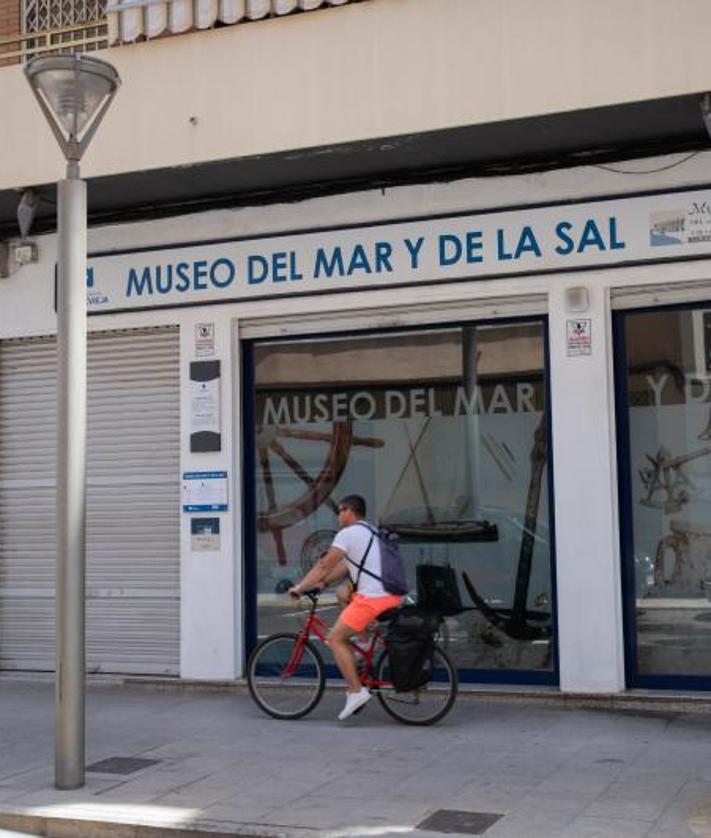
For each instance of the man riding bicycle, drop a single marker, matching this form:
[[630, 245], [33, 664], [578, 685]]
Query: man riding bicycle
[[354, 553]]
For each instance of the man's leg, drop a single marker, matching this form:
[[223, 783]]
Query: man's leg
[[356, 695], [338, 643]]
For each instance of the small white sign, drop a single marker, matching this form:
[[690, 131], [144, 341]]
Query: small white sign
[[204, 340], [205, 535], [578, 337], [205, 491], [205, 406]]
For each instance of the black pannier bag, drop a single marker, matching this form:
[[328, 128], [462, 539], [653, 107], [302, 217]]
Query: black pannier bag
[[410, 642], [437, 589]]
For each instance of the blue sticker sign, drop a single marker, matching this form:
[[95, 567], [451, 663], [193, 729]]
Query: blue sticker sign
[[204, 491]]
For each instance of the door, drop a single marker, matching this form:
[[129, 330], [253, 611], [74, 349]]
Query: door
[[663, 379]]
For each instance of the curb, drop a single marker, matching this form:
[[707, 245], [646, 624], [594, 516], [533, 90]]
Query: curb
[[72, 827], [659, 701], [629, 700]]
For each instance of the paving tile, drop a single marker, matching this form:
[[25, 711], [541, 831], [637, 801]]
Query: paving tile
[[632, 802], [606, 827], [334, 813], [629, 807], [9, 793]]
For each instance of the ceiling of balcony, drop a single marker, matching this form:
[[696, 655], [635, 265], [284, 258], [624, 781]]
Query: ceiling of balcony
[[535, 144]]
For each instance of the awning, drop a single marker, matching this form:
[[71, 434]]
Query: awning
[[131, 20]]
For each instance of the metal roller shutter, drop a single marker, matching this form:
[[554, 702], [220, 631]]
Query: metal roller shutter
[[133, 538]]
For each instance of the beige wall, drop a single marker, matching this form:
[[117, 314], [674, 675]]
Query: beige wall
[[367, 70], [9, 28]]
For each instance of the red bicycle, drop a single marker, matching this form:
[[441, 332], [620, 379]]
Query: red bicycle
[[286, 674]]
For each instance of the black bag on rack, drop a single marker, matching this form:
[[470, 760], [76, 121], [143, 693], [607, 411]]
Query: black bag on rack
[[410, 641], [438, 590]]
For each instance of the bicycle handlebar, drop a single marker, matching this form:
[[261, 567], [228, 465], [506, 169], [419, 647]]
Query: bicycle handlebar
[[312, 594]]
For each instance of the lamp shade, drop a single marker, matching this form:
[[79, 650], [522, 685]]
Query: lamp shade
[[71, 90]]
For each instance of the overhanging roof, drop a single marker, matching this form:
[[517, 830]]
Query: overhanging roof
[[534, 144]]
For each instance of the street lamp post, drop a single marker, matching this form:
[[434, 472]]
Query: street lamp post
[[74, 92]]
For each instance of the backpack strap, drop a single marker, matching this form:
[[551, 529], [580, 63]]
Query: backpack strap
[[361, 565]]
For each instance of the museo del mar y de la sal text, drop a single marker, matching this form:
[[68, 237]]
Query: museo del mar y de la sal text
[[475, 247]]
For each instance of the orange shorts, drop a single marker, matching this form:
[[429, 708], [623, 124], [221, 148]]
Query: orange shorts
[[362, 610]]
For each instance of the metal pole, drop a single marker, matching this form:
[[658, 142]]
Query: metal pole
[[69, 762]]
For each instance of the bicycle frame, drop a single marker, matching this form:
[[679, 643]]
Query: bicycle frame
[[319, 629]]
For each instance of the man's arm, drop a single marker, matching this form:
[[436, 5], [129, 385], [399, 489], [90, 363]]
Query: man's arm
[[329, 568]]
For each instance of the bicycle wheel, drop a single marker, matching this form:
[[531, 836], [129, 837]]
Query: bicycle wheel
[[423, 706], [286, 676]]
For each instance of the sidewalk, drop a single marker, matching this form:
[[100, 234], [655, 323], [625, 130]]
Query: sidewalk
[[222, 766]]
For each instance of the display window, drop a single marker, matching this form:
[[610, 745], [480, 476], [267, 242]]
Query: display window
[[664, 418], [444, 432]]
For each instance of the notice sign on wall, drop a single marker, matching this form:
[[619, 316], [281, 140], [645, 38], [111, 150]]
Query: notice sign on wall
[[578, 337], [205, 491], [205, 406]]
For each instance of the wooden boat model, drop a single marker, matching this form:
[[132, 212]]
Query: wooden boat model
[[458, 531]]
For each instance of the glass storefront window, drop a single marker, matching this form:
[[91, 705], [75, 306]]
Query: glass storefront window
[[443, 432], [668, 357]]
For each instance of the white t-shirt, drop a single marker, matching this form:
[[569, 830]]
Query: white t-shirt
[[353, 541]]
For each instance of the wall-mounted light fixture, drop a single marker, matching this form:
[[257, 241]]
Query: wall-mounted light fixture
[[706, 112], [577, 299], [26, 211]]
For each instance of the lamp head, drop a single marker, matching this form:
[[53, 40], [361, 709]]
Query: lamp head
[[74, 92]]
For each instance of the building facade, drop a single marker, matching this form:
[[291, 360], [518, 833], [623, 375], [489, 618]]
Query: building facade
[[454, 257]]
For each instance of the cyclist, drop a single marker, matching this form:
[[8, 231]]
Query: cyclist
[[354, 547]]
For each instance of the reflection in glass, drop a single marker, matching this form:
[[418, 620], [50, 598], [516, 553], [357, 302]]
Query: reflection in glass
[[669, 369], [443, 432]]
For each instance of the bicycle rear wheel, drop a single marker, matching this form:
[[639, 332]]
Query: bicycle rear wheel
[[425, 705], [286, 676]]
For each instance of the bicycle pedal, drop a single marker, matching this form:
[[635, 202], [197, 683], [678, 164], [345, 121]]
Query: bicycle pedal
[[359, 710]]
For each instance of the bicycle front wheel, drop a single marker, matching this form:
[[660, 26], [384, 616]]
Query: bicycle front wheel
[[286, 676], [425, 705]]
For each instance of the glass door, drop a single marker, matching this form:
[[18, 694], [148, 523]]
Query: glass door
[[444, 432], [663, 359]]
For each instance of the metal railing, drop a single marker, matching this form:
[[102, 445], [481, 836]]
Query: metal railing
[[83, 37]]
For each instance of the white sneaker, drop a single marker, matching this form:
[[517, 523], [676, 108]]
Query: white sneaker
[[353, 702]]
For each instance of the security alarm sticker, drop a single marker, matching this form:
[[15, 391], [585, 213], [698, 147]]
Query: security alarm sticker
[[204, 535], [205, 491], [204, 340], [579, 337]]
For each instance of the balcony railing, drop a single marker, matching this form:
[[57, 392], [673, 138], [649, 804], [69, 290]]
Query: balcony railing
[[133, 20], [128, 21], [83, 37]]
